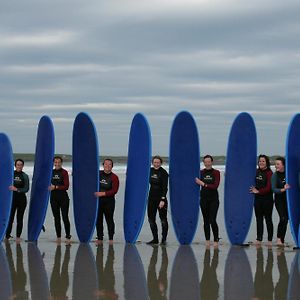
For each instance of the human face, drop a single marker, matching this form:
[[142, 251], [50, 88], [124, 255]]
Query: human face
[[207, 163], [107, 166], [279, 166], [262, 164], [19, 166], [57, 163], [156, 163]]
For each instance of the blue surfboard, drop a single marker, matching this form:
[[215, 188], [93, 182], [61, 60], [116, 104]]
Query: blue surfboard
[[85, 280], [42, 173], [238, 282], [184, 167], [37, 273], [6, 179], [137, 177], [240, 170], [292, 175], [185, 276], [85, 176], [135, 285]]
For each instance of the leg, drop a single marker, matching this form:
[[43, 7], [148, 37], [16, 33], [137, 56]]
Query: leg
[[65, 214], [11, 218], [258, 209], [281, 207], [205, 213], [99, 224], [164, 221], [109, 210], [268, 210], [213, 210], [20, 214], [56, 214], [152, 209]]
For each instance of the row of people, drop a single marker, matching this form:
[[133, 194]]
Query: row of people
[[265, 184]]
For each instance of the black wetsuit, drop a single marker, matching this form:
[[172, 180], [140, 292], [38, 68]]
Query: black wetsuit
[[158, 191], [109, 183], [263, 203], [209, 202], [60, 201], [19, 202], [278, 182]]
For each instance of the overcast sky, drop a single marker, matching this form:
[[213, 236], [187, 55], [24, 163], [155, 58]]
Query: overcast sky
[[113, 58]]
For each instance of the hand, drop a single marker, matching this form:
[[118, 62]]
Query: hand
[[99, 194], [12, 188], [253, 190], [161, 204], [200, 182], [51, 187], [286, 186]]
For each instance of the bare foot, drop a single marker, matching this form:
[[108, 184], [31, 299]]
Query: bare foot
[[68, 241], [207, 244], [110, 242], [269, 244], [98, 242], [216, 244], [58, 240], [18, 240], [279, 242]]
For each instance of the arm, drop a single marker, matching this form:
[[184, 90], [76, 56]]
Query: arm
[[267, 188], [115, 186], [25, 189], [274, 184], [165, 177], [214, 185], [66, 181]]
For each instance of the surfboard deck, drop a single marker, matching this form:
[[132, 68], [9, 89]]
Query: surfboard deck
[[85, 281], [238, 282], [184, 276], [184, 167], [292, 175], [135, 286], [240, 170], [85, 176], [6, 179], [137, 177], [42, 173]]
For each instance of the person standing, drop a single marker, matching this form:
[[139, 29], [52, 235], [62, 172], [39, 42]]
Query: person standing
[[209, 198], [279, 187], [19, 202], [263, 202], [109, 186], [157, 200], [59, 198]]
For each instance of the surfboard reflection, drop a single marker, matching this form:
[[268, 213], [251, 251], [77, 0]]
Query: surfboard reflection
[[85, 274], [185, 276], [157, 286], [294, 278], [18, 274], [37, 274], [135, 287], [59, 281], [238, 283], [209, 285], [106, 274], [5, 277], [263, 279]]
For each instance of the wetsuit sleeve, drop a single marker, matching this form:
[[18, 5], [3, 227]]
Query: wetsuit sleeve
[[215, 185], [274, 184], [267, 189], [65, 186], [24, 189], [164, 185], [115, 186]]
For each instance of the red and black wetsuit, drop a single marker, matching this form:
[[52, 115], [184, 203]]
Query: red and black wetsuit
[[209, 201], [158, 192], [109, 183], [278, 182], [60, 201], [263, 203], [19, 202]]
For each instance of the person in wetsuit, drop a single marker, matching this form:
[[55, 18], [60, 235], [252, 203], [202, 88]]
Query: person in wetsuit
[[109, 186], [59, 198], [279, 187], [209, 198], [263, 203], [157, 200], [19, 202]]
